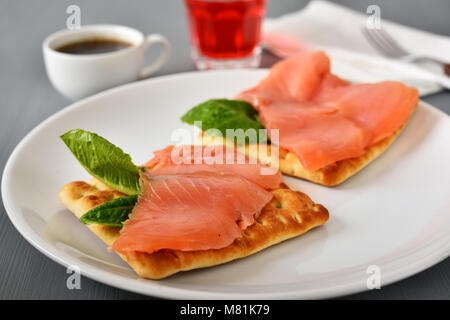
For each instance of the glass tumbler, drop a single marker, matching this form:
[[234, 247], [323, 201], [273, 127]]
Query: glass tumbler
[[225, 33]]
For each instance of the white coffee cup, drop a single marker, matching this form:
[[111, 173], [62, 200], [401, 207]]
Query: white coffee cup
[[79, 75]]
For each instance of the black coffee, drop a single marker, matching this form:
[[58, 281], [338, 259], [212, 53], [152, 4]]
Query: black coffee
[[93, 46]]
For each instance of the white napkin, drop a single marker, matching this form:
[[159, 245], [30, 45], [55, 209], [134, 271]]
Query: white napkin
[[337, 30]]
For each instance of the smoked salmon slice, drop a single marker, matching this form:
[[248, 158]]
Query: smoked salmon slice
[[195, 198], [187, 212], [322, 118], [218, 159]]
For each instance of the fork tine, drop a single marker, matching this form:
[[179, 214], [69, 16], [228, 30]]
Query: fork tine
[[394, 43], [374, 42], [383, 42], [390, 50]]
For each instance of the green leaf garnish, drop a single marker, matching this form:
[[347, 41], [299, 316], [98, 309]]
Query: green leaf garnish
[[112, 213], [223, 114], [104, 160]]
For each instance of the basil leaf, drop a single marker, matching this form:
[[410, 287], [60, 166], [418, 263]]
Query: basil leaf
[[223, 114], [112, 213], [103, 160]]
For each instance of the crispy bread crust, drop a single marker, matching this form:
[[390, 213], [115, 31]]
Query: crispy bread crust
[[288, 215], [290, 164]]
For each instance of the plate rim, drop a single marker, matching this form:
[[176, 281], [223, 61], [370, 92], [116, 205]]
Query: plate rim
[[181, 293]]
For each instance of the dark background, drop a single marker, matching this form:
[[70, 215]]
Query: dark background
[[27, 98]]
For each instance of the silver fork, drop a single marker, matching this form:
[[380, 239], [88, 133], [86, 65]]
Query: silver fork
[[384, 43]]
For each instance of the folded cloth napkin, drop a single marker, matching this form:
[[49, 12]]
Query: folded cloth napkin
[[337, 30]]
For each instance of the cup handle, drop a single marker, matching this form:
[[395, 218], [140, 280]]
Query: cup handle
[[150, 40]]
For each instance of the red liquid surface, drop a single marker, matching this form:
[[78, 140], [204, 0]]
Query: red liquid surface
[[225, 29]]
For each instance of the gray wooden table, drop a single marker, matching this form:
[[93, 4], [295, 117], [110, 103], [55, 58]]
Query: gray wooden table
[[27, 98]]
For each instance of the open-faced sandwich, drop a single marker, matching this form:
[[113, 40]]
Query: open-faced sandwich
[[189, 207], [328, 129]]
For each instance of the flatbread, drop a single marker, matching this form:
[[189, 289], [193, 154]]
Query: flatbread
[[289, 214], [290, 164]]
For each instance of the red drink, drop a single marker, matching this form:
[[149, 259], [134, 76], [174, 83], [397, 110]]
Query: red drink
[[225, 29]]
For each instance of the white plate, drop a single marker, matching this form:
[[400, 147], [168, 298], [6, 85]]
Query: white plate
[[395, 214]]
